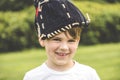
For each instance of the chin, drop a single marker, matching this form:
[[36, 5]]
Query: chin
[[61, 62]]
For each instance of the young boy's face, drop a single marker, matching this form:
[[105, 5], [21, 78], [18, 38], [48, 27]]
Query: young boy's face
[[60, 49]]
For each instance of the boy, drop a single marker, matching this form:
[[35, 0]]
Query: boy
[[59, 24]]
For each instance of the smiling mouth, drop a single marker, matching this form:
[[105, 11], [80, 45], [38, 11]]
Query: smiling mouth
[[62, 54]]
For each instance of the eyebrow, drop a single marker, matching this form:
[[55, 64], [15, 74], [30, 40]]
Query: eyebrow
[[69, 38], [56, 37]]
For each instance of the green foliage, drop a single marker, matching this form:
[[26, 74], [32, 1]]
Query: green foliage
[[14, 5], [16, 29], [102, 1], [105, 22], [104, 58]]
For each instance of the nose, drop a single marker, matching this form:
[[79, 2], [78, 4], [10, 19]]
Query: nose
[[64, 46]]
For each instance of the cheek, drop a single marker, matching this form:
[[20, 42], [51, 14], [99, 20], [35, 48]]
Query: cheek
[[73, 48], [50, 48]]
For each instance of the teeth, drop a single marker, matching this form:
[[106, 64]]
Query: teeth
[[62, 54]]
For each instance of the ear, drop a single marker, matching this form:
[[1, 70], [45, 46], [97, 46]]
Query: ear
[[78, 39], [41, 42]]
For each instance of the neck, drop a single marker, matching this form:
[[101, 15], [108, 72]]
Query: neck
[[60, 67]]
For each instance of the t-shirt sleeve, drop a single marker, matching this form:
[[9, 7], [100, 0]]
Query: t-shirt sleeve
[[26, 77], [95, 75]]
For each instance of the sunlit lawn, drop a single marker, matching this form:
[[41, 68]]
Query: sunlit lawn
[[105, 58]]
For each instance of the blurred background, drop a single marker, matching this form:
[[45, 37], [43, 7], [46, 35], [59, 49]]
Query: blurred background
[[99, 46]]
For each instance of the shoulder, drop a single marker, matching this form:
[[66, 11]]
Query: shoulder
[[87, 71], [35, 70], [38, 71], [84, 67]]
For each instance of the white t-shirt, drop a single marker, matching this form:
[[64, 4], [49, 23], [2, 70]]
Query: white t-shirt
[[77, 72]]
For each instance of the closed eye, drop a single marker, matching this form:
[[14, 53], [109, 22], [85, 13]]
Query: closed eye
[[56, 39], [72, 40]]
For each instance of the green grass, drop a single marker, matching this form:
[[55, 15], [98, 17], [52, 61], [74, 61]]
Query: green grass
[[105, 58]]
